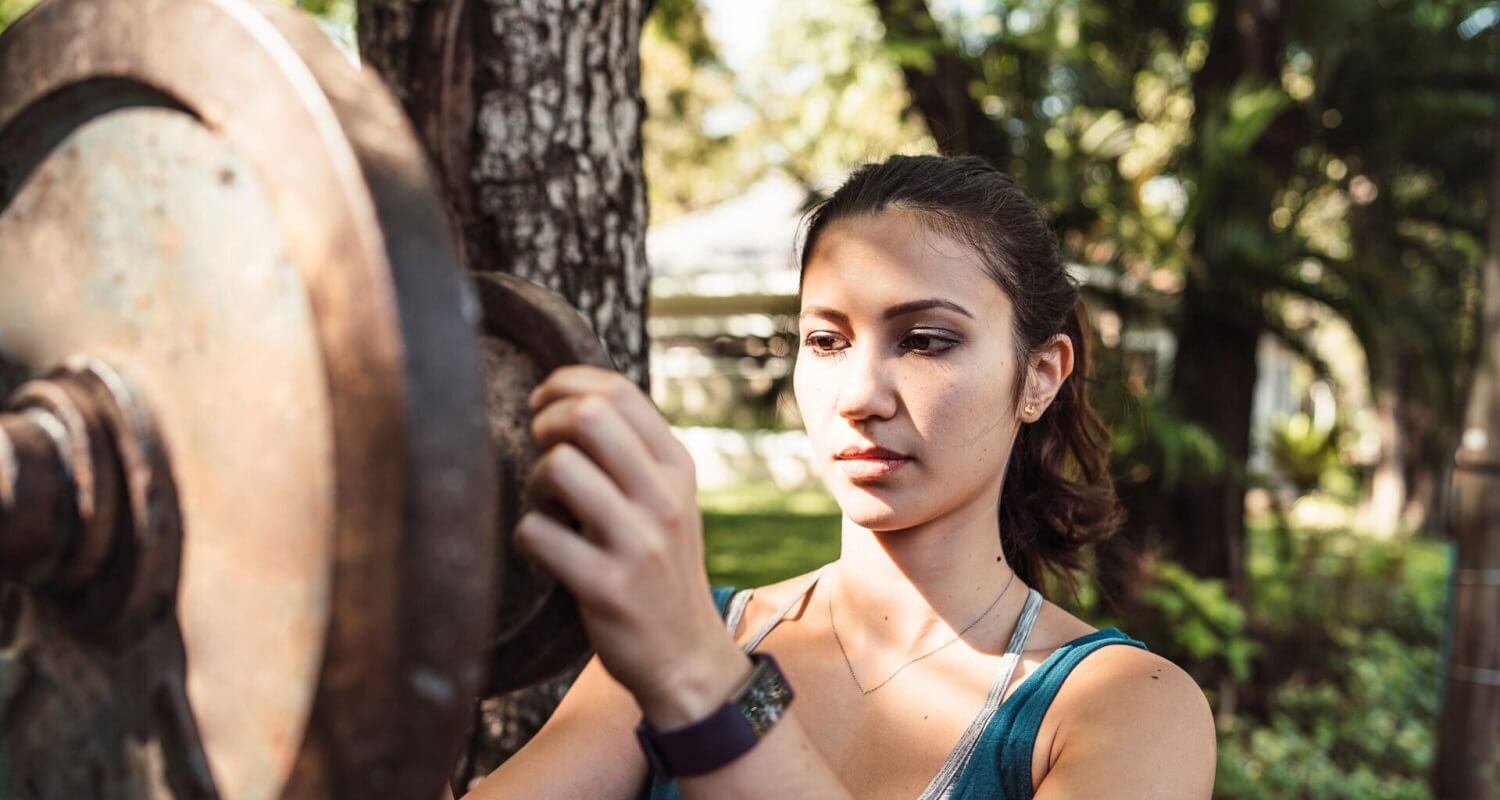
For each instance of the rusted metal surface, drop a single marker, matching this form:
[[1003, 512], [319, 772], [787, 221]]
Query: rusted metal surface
[[528, 332], [88, 508], [93, 646], [207, 197], [79, 462], [36, 498]]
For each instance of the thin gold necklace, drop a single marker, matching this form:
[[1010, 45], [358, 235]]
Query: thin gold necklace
[[960, 635]]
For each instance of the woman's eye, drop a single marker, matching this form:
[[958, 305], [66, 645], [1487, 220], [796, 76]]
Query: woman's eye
[[819, 342], [924, 344], [930, 344]]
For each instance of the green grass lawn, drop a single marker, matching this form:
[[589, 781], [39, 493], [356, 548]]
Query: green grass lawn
[[760, 548], [757, 535]]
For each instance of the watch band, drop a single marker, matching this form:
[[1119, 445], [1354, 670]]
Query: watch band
[[726, 734]]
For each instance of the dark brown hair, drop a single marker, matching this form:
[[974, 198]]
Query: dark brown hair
[[1057, 497]]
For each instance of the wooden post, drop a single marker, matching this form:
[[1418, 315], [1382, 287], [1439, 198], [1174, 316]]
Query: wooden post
[[1468, 758]]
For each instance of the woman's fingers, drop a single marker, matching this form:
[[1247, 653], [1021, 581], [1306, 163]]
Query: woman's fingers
[[571, 559], [633, 405], [593, 425], [567, 477]]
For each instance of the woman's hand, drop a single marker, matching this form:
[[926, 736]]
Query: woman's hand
[[608, 458]]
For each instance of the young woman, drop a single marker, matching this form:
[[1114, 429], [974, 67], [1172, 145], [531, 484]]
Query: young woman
[[940, 379]]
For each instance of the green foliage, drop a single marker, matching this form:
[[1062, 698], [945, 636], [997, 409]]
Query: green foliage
[[825, 94], [11, 10], [1304, 450], [1365, 731], [684, 85], [680, 22], [1332, 584], [1251, 110], [333, 9], [1352, 625], [829, 93], [1147, 439], [1203, 620]]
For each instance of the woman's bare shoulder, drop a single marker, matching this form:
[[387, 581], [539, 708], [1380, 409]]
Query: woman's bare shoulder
[[1116, 676], [1133, 678], [1122, 717]]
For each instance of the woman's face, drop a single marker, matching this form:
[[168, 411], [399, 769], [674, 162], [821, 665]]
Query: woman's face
[[931, 382]]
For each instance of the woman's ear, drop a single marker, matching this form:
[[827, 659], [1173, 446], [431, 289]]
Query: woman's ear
[[1048, 367]]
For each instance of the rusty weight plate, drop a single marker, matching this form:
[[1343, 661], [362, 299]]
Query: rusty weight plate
[[528, 332], [206, 196]]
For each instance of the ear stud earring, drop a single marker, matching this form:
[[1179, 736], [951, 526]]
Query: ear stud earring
[[1030, 409]]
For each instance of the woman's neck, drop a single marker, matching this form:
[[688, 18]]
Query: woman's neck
[[904, 590]]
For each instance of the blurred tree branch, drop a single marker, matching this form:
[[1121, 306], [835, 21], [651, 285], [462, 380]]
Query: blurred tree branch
[[942, 82]]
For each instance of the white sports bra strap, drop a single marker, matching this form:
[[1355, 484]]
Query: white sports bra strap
[[786, 607]]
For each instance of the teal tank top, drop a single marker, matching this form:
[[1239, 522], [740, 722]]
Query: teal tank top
[[999, 764]]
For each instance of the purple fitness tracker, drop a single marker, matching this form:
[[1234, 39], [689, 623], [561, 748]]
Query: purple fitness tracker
[[726, 734]]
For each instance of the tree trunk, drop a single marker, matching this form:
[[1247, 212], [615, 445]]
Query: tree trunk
[[1468, 758], [1203, 520], [1221, 320], [1385, 497], [531, 112], [1389, 358]]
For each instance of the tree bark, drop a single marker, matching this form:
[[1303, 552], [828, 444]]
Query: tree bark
[[1467, 766], [531, 112]]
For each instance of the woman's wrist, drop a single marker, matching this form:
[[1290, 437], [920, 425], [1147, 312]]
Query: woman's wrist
[[700, 685]]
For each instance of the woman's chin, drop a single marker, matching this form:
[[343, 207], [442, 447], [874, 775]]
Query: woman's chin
[[881, 504], [870, 510]]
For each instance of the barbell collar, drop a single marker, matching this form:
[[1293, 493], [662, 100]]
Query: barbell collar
[[37, 509], [79, 520], [86, 442]]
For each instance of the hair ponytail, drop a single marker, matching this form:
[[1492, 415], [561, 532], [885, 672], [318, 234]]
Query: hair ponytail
[[1058, 497]]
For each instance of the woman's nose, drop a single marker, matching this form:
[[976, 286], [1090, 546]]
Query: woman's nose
[[865, 390]]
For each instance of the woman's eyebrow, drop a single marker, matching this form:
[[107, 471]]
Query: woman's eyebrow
[[893, 312], [901, 309]]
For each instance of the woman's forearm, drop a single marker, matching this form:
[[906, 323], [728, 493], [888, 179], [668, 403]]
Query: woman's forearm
[[783, 765]]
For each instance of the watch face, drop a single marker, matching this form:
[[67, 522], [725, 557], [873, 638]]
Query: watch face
[[766, 697]]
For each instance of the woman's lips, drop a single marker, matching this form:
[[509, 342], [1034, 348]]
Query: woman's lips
[[868, 469]]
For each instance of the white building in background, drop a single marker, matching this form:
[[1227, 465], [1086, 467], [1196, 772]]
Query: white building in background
[[743, 246], [723, 286]]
